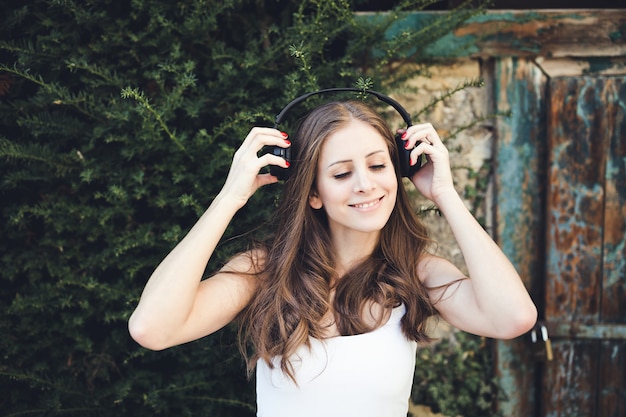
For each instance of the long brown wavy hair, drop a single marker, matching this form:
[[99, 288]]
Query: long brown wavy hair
[[297, 268]]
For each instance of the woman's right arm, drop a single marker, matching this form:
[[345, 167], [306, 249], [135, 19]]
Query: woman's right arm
[[176, 305]]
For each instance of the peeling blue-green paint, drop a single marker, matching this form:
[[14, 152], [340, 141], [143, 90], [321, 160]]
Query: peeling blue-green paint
[[615, 36], [493, 27], [518, 167], [448, 46], [601, 65], [519, 211]]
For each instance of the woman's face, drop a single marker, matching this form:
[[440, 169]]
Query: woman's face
[[356, 183]]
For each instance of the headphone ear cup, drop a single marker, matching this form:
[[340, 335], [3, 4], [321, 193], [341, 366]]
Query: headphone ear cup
[[285, 153], [406, 169]]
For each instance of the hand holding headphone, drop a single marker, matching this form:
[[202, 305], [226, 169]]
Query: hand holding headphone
[[435, 179], [244, 176]]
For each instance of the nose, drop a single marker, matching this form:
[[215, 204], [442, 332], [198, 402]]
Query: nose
[[363, 181]]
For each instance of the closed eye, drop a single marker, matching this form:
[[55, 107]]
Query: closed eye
[[341, 175], [376, 167]]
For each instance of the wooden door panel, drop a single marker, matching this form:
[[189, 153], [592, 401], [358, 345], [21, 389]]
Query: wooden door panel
[[586, 378], [585, 301], [612, 377], [520, 181], [612, 368], [569, 385], [575, 198], [573, 243], [614, 282]]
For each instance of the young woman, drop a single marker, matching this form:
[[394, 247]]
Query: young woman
[[334, 305]]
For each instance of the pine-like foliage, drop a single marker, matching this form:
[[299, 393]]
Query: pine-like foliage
[[118, 121]]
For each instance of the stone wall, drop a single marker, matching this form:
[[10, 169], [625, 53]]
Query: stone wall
[[470, 150]]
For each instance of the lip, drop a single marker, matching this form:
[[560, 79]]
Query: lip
[[365, 205]]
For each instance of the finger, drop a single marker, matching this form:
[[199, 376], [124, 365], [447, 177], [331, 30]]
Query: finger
[[265, 179], [264, 136], [420, 149], [429, 151], [424, 133], [265, 131], [270, 159], [421, 127], [430, 134], [414, 139]]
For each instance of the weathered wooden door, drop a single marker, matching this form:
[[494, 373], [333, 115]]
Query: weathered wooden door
[[585, 280], [562, 201]]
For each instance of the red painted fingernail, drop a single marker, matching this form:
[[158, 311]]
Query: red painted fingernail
[[406, 145], [285, 135], [404, 135], [287, 142], [287, 163]]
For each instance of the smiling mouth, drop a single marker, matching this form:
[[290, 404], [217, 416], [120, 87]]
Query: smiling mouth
[[367, 205]]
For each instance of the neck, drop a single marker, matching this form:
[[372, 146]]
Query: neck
[[352, 249]]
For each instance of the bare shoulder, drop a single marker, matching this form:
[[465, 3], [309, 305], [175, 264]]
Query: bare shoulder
[[238, 277], [222, 296], [245, 263], [435, 271]]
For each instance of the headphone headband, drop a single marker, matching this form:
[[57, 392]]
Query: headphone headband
[[382, 97], [404, 155]]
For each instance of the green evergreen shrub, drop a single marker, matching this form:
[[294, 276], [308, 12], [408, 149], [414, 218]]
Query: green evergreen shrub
[[455, 377], [118, 121]]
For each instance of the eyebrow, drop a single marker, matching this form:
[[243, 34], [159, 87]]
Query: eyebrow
[[349, 160]]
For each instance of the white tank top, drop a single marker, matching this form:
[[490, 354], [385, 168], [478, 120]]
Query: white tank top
[[369, 374]]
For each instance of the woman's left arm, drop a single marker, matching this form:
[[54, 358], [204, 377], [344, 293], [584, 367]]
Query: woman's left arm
[[493, 302]]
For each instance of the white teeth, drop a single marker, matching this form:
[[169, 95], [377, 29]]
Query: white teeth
[[366, 205]]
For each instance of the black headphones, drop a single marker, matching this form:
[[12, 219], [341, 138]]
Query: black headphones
[[406, 169]]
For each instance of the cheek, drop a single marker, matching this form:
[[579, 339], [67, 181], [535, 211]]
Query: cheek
[[391, 183]]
